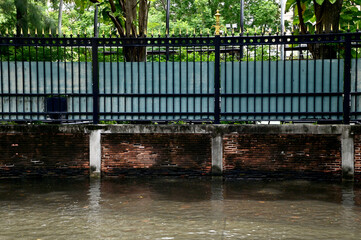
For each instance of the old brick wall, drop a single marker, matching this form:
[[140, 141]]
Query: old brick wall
[[291, 154], [156, 153], [357, 148], [44, 154]]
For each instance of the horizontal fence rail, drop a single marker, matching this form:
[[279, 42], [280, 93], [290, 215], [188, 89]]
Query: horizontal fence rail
[[306, 78]]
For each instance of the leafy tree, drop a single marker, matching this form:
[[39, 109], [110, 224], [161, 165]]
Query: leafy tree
[[324, 16], [199, 14], [130, 18], [24, 15], [261, 14]]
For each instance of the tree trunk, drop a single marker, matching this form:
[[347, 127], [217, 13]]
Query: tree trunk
[[135, 54], [129, 29], [21, 16], [327, 18], [60, 16]]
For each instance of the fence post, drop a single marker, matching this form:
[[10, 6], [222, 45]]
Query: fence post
[[347, 80], [95, 81], [217, 80]]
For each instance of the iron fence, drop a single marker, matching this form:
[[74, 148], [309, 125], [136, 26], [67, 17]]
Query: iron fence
[[307, 78]]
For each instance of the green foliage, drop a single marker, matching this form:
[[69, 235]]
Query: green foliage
[[7, 123], [36, 17], [178, 122], [48, 54], [198, 15], [350, 15], [237, 122], [108, 122]]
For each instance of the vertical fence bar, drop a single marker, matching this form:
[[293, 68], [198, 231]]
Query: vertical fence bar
[[95, 81], [16, 82], [217, 80], [347, 80], [2, 99]]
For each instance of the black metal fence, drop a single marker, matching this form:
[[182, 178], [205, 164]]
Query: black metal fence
[[308, 78]]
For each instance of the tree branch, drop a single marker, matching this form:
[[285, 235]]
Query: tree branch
[[112, 6], [121, 3], [117, 24], [300, 16]]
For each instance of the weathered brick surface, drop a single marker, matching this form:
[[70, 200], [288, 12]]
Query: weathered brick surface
[[156, 154], [282, 153], [357, 147], [44, 154]]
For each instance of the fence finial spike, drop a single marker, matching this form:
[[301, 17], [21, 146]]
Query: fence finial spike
[[7, 31], [28, 31], [152, 32], [331, 27], [50, 31], [208, 31], [187, 31], [218, 25], [232, 30], [21, 31], [180, 31], [357, 27], [324, 28], [36, 31], [293, 28], [159, 31], [270, 31], [200, 31], [173, 31], [339, 26], [308, 28], [277, 29], [348, 26], [194, 31]]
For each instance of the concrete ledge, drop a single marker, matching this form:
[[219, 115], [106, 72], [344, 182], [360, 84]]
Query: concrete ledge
[[187, 128]]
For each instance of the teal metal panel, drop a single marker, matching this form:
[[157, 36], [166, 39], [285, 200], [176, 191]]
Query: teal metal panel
[[279, 77], [297, 76], [156, 78], [49, 79], [356, 88]]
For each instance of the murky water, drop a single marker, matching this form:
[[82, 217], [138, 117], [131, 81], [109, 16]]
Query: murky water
[[178, 209]]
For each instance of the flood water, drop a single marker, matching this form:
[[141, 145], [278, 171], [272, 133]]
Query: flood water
[[178, 209]]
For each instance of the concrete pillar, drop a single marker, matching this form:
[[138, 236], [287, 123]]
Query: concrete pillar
[[95, 153], [217, 155], [347, 154]]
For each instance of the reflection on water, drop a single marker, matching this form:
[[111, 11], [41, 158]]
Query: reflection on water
[[178, 209]]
